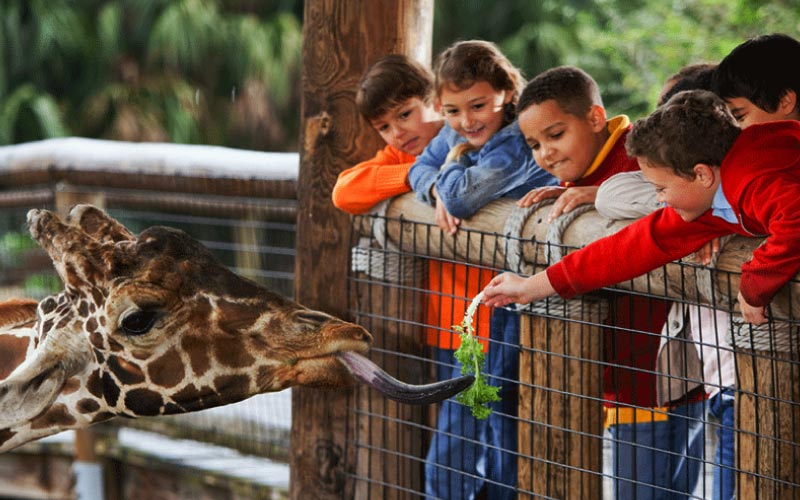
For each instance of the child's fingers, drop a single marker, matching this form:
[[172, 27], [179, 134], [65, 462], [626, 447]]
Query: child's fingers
[[526, 200]]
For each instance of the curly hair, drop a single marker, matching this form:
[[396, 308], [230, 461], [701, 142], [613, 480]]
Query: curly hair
[[694, 126]]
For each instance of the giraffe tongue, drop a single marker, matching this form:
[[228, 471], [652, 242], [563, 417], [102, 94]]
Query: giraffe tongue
[[371, 374]]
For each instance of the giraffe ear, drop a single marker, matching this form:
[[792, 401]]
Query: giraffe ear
[[27, 393], [98, 224], [31, 388]]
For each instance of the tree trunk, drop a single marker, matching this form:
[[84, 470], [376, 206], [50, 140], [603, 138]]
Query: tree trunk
[[340, 40]]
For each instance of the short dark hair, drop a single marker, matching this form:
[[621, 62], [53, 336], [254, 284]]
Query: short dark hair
[[573, 89], [697, 76], [470, 61], [390, 81], [694, 126], [761, 69]]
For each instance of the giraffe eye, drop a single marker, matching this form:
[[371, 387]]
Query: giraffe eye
[[138, 322]]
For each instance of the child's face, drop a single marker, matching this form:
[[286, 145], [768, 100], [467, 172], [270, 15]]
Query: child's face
[[689, 198], [410, 126], [475, 113], [563, 144], [747, 113]]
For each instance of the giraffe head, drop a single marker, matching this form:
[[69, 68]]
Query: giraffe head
[[155, 324]]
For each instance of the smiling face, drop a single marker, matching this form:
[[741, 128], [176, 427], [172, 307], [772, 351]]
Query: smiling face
[[690, 198], [476, 113], [563, 144], [409, 126]]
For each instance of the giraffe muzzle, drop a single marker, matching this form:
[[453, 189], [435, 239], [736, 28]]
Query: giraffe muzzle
[[371, 374]]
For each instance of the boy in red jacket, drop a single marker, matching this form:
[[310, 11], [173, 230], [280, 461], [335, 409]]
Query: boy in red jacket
[[716, 179], [656, 449]]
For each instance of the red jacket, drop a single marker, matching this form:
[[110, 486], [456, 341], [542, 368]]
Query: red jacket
[[760, 179]]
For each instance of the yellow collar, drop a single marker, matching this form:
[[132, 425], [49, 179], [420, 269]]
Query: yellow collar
[[616, 126]]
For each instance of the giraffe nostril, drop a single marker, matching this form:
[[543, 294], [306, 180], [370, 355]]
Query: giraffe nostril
[[364, 335]]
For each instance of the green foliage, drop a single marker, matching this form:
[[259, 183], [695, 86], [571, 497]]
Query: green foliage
[[40, 285], [470, 355], [629, 46], [187, 71], [14, 247], [14, 244], [227, 71]]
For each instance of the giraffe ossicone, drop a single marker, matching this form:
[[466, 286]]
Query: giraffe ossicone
[[155, 325]]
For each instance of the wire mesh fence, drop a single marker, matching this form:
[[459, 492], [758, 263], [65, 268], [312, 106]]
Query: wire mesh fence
[[246, 218], [650, 389], [653, 387]]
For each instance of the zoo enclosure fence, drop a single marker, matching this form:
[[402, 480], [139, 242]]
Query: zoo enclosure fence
[[563, 448], [243, 205], [240, 204]]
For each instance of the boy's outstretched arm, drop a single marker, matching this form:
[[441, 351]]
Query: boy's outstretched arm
[[509, 287]]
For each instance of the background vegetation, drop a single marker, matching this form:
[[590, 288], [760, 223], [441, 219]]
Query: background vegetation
[[227, 71]]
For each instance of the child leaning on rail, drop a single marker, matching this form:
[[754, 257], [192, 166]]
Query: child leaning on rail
[[758, 88], [692, 331], [715, 179], [655, 448], [395, 95], [477, 157]]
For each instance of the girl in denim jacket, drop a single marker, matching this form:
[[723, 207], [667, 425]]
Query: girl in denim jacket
[[479, 156]]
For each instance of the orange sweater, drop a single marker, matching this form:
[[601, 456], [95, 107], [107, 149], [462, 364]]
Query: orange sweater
[[451, 286], [360, 188]]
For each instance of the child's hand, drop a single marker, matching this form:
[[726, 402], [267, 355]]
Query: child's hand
[[538, 194], [509, 287], [444, 220], [707, 252], [571, 198], [756, 315]]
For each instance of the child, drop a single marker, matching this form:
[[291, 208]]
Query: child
[[562, 117], [395, 96], [757, 82], [716, 179], [477, 157], [626, 197]]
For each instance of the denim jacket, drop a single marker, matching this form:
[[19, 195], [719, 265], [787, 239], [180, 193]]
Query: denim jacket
[[504, 166]]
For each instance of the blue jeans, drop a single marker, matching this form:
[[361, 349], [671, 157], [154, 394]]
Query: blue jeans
[[467, 454], [659, 460], [721, 406]]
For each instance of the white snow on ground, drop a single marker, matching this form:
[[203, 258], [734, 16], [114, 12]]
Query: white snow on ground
[[197, 455], [149, 158]]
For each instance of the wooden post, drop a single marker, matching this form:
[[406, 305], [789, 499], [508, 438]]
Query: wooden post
[[391, 436], [560, 409], [340, 40], [767, 421]]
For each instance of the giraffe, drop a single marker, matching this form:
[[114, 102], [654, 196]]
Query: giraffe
[[155, 325]]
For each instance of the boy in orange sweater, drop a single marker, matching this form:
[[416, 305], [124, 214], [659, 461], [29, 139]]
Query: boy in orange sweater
[[395, 96], [562, 117]]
